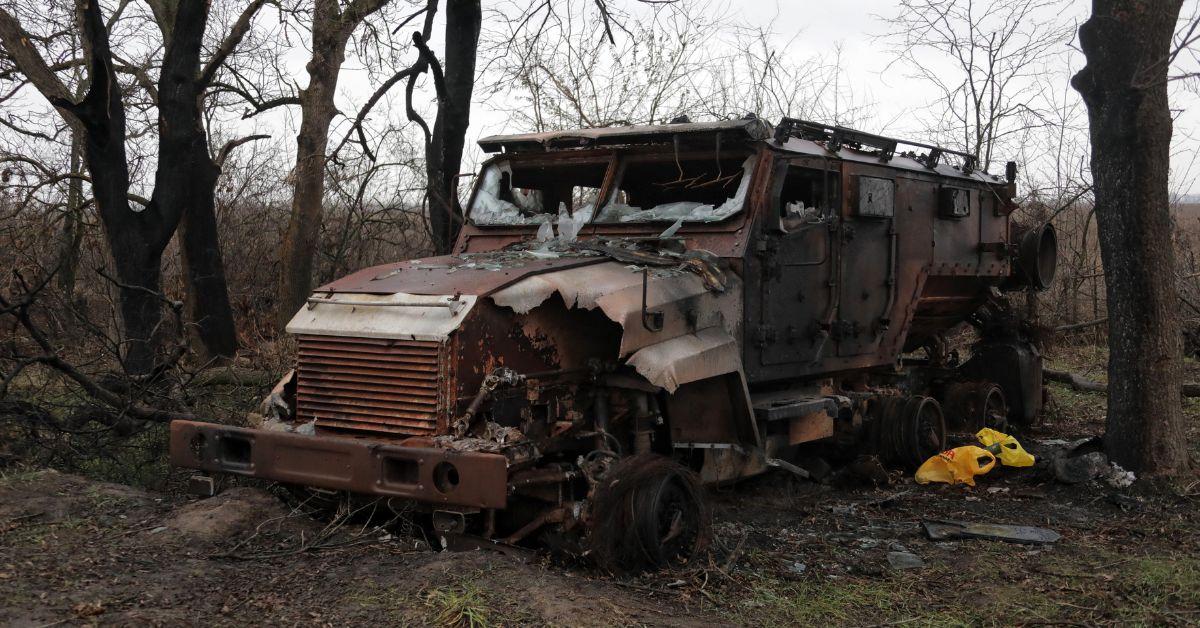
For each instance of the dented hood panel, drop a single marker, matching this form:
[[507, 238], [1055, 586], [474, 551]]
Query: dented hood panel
[[477, 274], [616, 289]]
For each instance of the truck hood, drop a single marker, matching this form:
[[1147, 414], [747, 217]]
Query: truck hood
[[697, 305], [476, 274]]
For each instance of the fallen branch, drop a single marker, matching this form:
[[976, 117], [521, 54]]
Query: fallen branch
[[1081, 383], [234, 376], [1074, 326]]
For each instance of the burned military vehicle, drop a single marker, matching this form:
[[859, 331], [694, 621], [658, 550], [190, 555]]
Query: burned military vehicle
[[631, 312]]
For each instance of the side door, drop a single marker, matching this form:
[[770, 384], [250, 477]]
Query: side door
[[867, 286], [797, 255]]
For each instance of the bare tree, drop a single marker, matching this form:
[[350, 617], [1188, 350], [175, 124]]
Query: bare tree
[[186, 174], [662, 63], [136, 239], [982, 58], [1129, 51], [332, 27], [454, 81]]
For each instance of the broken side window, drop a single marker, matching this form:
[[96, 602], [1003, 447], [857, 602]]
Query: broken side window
[[513, 193], [707, 189], [808, 195]]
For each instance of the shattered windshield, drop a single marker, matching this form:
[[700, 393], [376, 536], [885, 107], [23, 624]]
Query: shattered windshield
[[514, 193], [678, 190], [647, 189]]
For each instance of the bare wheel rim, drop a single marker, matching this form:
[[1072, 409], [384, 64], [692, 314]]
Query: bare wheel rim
[[667, 521], [926, 430], [995, 410]]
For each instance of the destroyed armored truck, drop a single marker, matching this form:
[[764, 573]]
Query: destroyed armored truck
[[629, 313]]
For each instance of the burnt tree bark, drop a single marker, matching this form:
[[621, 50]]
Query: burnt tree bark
[[186, 179], [1124, 85], [332, 28], [135, 239], [454, 84]]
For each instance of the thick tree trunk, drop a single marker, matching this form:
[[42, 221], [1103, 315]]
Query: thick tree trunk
[[304, 226], [444, 157], [135, 239], [331, 30], [1125, 88], [186, 181]]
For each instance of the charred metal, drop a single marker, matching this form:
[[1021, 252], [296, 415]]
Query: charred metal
[[633, 312]]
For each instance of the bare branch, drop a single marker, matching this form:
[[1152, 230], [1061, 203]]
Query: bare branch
[[223, 154], [231, 41]]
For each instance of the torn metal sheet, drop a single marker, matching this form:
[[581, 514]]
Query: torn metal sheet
[[683, 299], [943, 530], [391, 316], [688, 358]]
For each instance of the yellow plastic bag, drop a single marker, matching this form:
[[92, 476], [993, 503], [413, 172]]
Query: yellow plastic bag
[[1005, 447], [953, 466]]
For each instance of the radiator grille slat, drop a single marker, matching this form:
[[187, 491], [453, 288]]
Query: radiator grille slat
[[369, 386]]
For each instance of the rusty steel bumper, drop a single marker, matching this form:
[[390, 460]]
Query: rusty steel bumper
[[426, 474]]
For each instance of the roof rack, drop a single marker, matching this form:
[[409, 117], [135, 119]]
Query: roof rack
[[835, 137]]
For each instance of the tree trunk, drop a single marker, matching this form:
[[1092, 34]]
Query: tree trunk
[[1125, 88], [186, 181], [444, 157], [72, 229], [135, 239], [304, 226], [331, 31]]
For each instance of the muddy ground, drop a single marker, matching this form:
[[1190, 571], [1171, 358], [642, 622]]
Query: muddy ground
[[77, 551]]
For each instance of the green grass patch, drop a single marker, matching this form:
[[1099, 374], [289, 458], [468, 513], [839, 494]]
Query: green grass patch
[[462, 604], [1158, 589], [819, 601]]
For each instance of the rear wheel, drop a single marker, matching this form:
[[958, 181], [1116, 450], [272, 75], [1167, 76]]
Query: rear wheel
[[649, 513], [668, 518], [971, 406], [908, 430]]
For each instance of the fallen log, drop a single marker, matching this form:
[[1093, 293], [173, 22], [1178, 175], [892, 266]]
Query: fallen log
[[234, 376], [1085, 325], [1081, 383]]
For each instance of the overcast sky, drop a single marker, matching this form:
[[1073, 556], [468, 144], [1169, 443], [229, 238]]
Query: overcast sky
[[815, 27]]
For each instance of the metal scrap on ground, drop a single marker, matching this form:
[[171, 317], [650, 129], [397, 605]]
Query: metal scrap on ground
[[945, 530]]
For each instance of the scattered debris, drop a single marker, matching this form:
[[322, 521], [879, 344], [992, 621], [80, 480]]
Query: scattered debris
[[904, 560], [1118, 477], [1124, 502], [1079, 469], [944, 530]]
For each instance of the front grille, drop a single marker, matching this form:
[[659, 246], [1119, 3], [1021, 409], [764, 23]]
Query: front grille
[[368, 385]]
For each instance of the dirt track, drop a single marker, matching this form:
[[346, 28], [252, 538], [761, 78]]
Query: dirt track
[[74, 551]]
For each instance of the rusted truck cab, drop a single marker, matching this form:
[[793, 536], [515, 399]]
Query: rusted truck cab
[[629, 312]]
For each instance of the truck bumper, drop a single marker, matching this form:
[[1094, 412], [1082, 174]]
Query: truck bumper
[[425, 474]]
